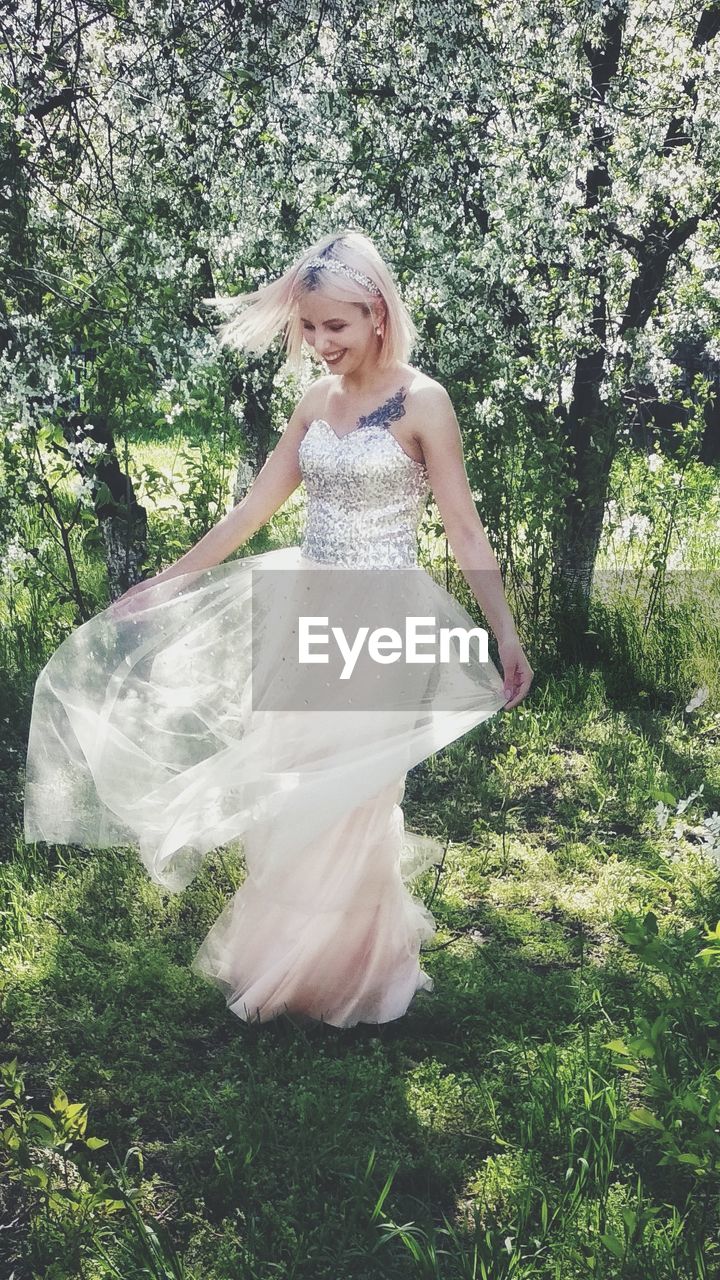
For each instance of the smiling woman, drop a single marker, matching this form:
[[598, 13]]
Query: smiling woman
[[313, 299], [333, 336], [176, 721]]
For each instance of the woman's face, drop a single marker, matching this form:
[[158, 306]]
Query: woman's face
[[340, 333]]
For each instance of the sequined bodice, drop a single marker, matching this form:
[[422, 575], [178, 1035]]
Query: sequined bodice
[[365, 497]]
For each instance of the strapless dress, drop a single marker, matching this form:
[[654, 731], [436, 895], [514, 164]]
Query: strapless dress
[[187, 726]]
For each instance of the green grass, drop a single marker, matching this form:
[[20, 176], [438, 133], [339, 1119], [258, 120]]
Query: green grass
[[491, 1131], [256, 1141]]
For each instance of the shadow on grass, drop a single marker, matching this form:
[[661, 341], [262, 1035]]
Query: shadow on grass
[[282, 1135], [109, 1009]]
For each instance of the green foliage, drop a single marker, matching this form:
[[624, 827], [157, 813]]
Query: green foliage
[[523, 1120], [674, 1053], [68, 1207], [571, 320]]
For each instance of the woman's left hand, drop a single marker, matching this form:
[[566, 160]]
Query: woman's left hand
[[517, 672]]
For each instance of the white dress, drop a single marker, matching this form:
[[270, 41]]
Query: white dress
[[188, 725]]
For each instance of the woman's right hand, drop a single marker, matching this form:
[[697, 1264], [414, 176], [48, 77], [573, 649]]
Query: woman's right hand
[[517, 672]]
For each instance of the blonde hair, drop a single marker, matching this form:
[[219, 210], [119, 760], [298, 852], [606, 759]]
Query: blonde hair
[[253, 319]]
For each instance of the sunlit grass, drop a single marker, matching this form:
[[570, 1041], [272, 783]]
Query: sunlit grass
[[484, 1128]]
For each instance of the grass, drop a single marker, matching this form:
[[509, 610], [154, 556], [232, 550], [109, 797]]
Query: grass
[[256, 1142], [493, 1131]]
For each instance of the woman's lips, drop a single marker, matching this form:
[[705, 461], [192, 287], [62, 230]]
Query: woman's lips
[[336, 357]]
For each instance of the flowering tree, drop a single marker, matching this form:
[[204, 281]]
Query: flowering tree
[[543, 179]]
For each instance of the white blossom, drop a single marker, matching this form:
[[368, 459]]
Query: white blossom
[[662, 813], [682, 805], [712, 826], [698, 698]]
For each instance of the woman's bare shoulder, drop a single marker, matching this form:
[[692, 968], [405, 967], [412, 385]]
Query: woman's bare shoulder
[[427, 400], [422, 386], [313, 398]]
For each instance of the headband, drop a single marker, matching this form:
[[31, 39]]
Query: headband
[[334, 264]]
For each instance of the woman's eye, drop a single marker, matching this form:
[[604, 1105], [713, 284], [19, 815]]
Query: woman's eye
[[334, 329]]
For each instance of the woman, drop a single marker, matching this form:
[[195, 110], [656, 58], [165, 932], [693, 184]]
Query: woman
[[189, 715]]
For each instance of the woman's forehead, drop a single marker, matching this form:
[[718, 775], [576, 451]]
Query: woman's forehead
[[317, 306]]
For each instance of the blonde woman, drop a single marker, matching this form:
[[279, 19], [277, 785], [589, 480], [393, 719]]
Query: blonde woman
[[277, 701]]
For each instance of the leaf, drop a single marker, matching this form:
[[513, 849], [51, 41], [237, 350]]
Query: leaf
[[613, 1244], [103, 496], [617, 1046], [629, 1217], [642, 1116], [666, 797], [92, 539], [39, 1118]]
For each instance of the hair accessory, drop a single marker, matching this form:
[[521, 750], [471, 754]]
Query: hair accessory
[[334, 264]]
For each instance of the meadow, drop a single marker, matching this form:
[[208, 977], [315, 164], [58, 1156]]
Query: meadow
[[549, 1110]]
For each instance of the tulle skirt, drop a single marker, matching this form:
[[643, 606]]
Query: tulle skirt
[[183, 726]]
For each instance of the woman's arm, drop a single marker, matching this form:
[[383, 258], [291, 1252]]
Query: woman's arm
[[441, 443], [277, 479]]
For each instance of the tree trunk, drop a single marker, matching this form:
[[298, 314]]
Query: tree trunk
[[589, 425], [258, 435], [122, 521]]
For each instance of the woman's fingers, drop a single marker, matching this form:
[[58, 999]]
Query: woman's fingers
[[518, 676]]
